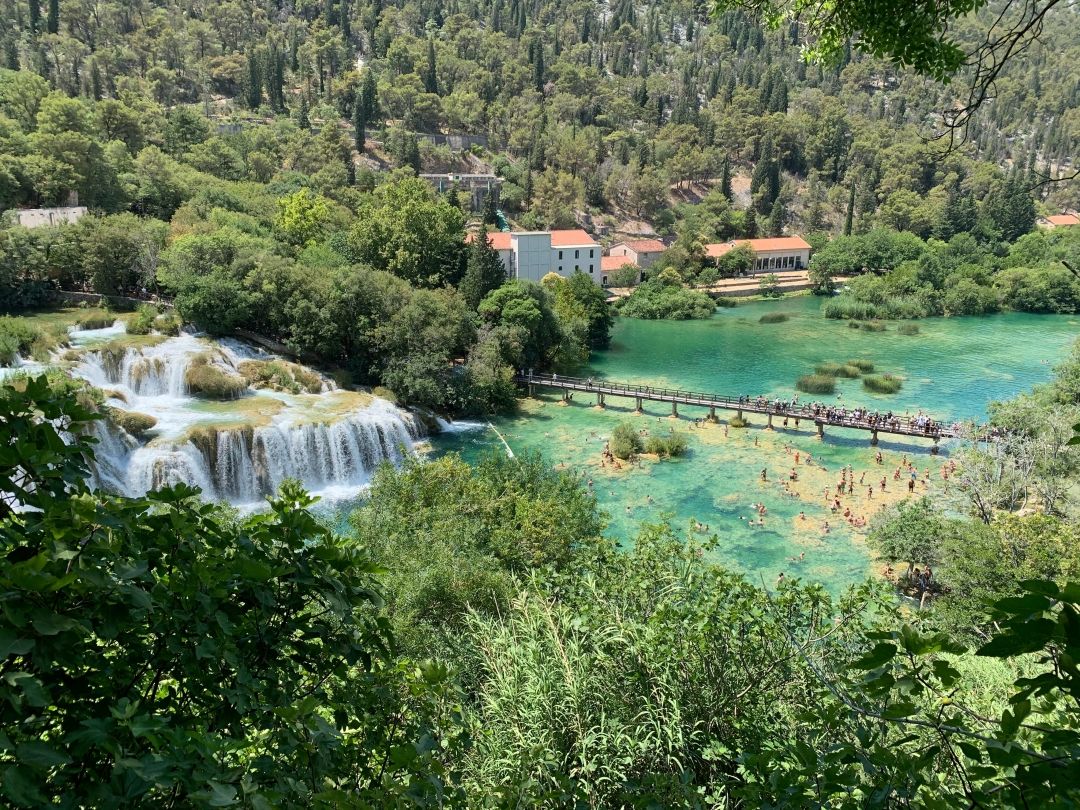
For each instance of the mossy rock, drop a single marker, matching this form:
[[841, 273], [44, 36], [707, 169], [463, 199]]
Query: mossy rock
[[135, 423], [204, 379], [281, 375], [385, 393]]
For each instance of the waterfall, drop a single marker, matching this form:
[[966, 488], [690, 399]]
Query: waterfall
[[239, 450]]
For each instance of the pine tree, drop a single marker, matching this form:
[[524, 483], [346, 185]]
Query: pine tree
[[52, 23], [484, 271], [431, 81], [777, 219], [491, 216], [849, 217]]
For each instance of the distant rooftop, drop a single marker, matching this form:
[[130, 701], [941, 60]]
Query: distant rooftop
[[718, 249]]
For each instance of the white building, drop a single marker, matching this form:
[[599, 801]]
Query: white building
[[777, 253], [531, 255]]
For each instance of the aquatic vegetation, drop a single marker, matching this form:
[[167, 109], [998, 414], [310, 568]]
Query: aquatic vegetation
[[726, 303], [816, 384], [848, 309], [774, 317], [97, 319], [738, 421], [868, 326], [205, 379], [908, 329], [865, 366], [848, 370], [384, 393], [883, 383]]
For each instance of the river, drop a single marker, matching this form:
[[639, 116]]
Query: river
[[952, 369]]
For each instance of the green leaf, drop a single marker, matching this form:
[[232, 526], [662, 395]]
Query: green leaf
[[881, 654], [1034, 636], [20, 787], [40, 755], [221, 795]]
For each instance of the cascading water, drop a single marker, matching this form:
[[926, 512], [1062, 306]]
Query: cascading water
[[237, 450]]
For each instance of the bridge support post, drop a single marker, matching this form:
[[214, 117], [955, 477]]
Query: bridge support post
[[821, 430], [935, 449], [873, 438], [712, 414], [770, 427], [674, 408], [566, 395], [599, 400], [532, 392], [738, 414], [638, 408]]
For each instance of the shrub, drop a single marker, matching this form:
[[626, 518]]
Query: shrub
[[204, 379], [9, 349], [882, 383], [908, 329], [774, 317], [281, 375], [725, 303], [738, 421], [865, 366], [168, 323], [670, 446], [625, 440], [662, 298], [21, 337], [384, 393], [133, 422], [816, 384], [143, 321]]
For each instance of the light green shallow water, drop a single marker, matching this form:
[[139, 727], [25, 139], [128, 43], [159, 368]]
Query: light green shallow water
[[953, 369]]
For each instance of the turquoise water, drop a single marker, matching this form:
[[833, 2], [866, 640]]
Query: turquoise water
[[952, 370]]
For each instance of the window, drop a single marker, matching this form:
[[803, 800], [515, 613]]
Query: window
[[591, 269], [560, 255], [577, 254], [603, 280], [560, 268], [590, 253], [577, 268]]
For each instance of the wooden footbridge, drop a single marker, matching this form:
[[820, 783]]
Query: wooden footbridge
[[790, 411]]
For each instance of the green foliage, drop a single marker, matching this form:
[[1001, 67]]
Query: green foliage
[[216, 658], [302, 217], [816, 384], [403, 228], [143, 322], [484, 271], [865, 366], [848, 370], [453, 536], [657, 299], [625, 441], [909, 329], [769, 286], [671, 445], [132, 422]]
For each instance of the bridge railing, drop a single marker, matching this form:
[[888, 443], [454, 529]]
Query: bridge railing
[[898, 424]]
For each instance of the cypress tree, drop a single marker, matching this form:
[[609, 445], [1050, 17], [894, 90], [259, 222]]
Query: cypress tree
[[750, 224], [484, 271], [491, 216], [538, 67], [35, 16], [253, 94], [359, 123], [725, 179], [777, 218], [343, 21], [849, 217], [95, 80], [302, 119], [52, 22], [431, 81], [371, 98]]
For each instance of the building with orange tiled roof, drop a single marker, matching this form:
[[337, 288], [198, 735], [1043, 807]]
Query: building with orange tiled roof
[[531, 255], [773, 254], [642, 252], [1059, 221]]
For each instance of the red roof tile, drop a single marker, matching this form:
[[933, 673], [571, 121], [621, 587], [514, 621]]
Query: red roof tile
[[571, 238], [499, 240], [1063, 219], [718, 249], [610, 263], [646, 245]]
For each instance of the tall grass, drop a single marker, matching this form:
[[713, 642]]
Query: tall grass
[[816, 384], [865, 366], [774, 317], [849, 309], [847, 370], [882, 383]]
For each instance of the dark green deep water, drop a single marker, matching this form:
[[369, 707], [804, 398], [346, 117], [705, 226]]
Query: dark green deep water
[[953, 369]]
